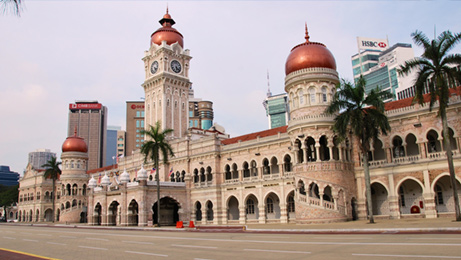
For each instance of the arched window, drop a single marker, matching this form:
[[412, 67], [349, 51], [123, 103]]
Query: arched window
[[312, 95], [324, 94], [196, 177], [266, 168], [227, 172], [246, 170], [250, 206], [301, 97], [254, 169], [270, 205], [209, 176], [235, 173], [202, 174]]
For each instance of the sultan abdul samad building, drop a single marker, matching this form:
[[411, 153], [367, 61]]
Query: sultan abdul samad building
[[298, 173]]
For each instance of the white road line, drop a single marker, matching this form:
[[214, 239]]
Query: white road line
[[97, 248], [434, 238], [9, 237], [143, 253], [45, 235], [207, 247], [277, 251], [100, 239], [411, 256], [136, 242], [30, 240], [59, 244], [68, 236]]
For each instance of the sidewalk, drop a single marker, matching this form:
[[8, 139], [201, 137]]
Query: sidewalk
[[382, 226]]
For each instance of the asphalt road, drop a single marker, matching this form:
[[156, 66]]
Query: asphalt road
[[77, 243]]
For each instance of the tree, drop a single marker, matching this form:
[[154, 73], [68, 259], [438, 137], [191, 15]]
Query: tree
[[364, 116], [8, 196], [155, 146], [52, 172], [436, 71], [15, 5]]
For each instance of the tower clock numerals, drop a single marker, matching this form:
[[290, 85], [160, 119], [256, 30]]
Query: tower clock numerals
[[154, 67], [175, 66]]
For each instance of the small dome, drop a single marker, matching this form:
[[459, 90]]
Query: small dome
[[125, 177], [105, 181], [142, 174], [74, 144], [92, 183], [167, 33], [309, 55]]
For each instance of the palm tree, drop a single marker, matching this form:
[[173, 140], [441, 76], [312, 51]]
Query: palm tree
[[364, 116], [155, 146], [436, 70], [52, 172], [13, 4]]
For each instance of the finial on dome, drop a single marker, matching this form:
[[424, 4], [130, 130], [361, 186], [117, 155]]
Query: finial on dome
[[166, 8], [75, 131], [307, 33]]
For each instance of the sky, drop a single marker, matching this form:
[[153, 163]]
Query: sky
[[57, 52]]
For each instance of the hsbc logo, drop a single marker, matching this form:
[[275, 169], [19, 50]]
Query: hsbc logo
[[374, 44]]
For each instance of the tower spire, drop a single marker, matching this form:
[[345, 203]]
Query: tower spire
[[269, 93], [307, 33]]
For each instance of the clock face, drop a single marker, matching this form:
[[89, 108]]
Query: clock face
[[176, 66], [154, 67]]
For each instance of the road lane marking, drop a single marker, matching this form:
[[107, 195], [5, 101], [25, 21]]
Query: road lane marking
[[206, 247], [90, 247], [59, 244], [45, 235], [136, 242], [276, 251], [100, 239], [30, 240], [144, 253], [411, 256], [28, 254], [9, 237], [68, 236]]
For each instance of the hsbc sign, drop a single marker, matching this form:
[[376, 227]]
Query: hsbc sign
[[372, 44]]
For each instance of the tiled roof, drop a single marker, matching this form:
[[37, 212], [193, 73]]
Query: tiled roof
[[106, 168], [409, 101], [247, 137]]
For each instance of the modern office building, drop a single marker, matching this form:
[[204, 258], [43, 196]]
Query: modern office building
[[277, 109], [200, 113], [121, 143], [111, 144], [89, 119], [379, 68], [134, 125], [8, 177], [40, 157]]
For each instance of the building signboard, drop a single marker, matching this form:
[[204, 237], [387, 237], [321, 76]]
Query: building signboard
[[85, 106], [364, 43]]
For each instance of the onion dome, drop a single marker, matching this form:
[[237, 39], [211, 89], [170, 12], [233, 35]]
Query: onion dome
[[166, 32], [92, 183], [105, 181], [309, 55], [142, 174], [74, 144], [125, 177]]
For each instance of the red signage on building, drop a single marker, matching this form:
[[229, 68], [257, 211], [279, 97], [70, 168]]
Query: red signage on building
[[85, 106], [137, 106]]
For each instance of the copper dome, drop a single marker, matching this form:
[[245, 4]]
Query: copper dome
[[309, 55], [74, 144], [167, 33]]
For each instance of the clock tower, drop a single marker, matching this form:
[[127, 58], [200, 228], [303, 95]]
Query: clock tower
[[167, 84]]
